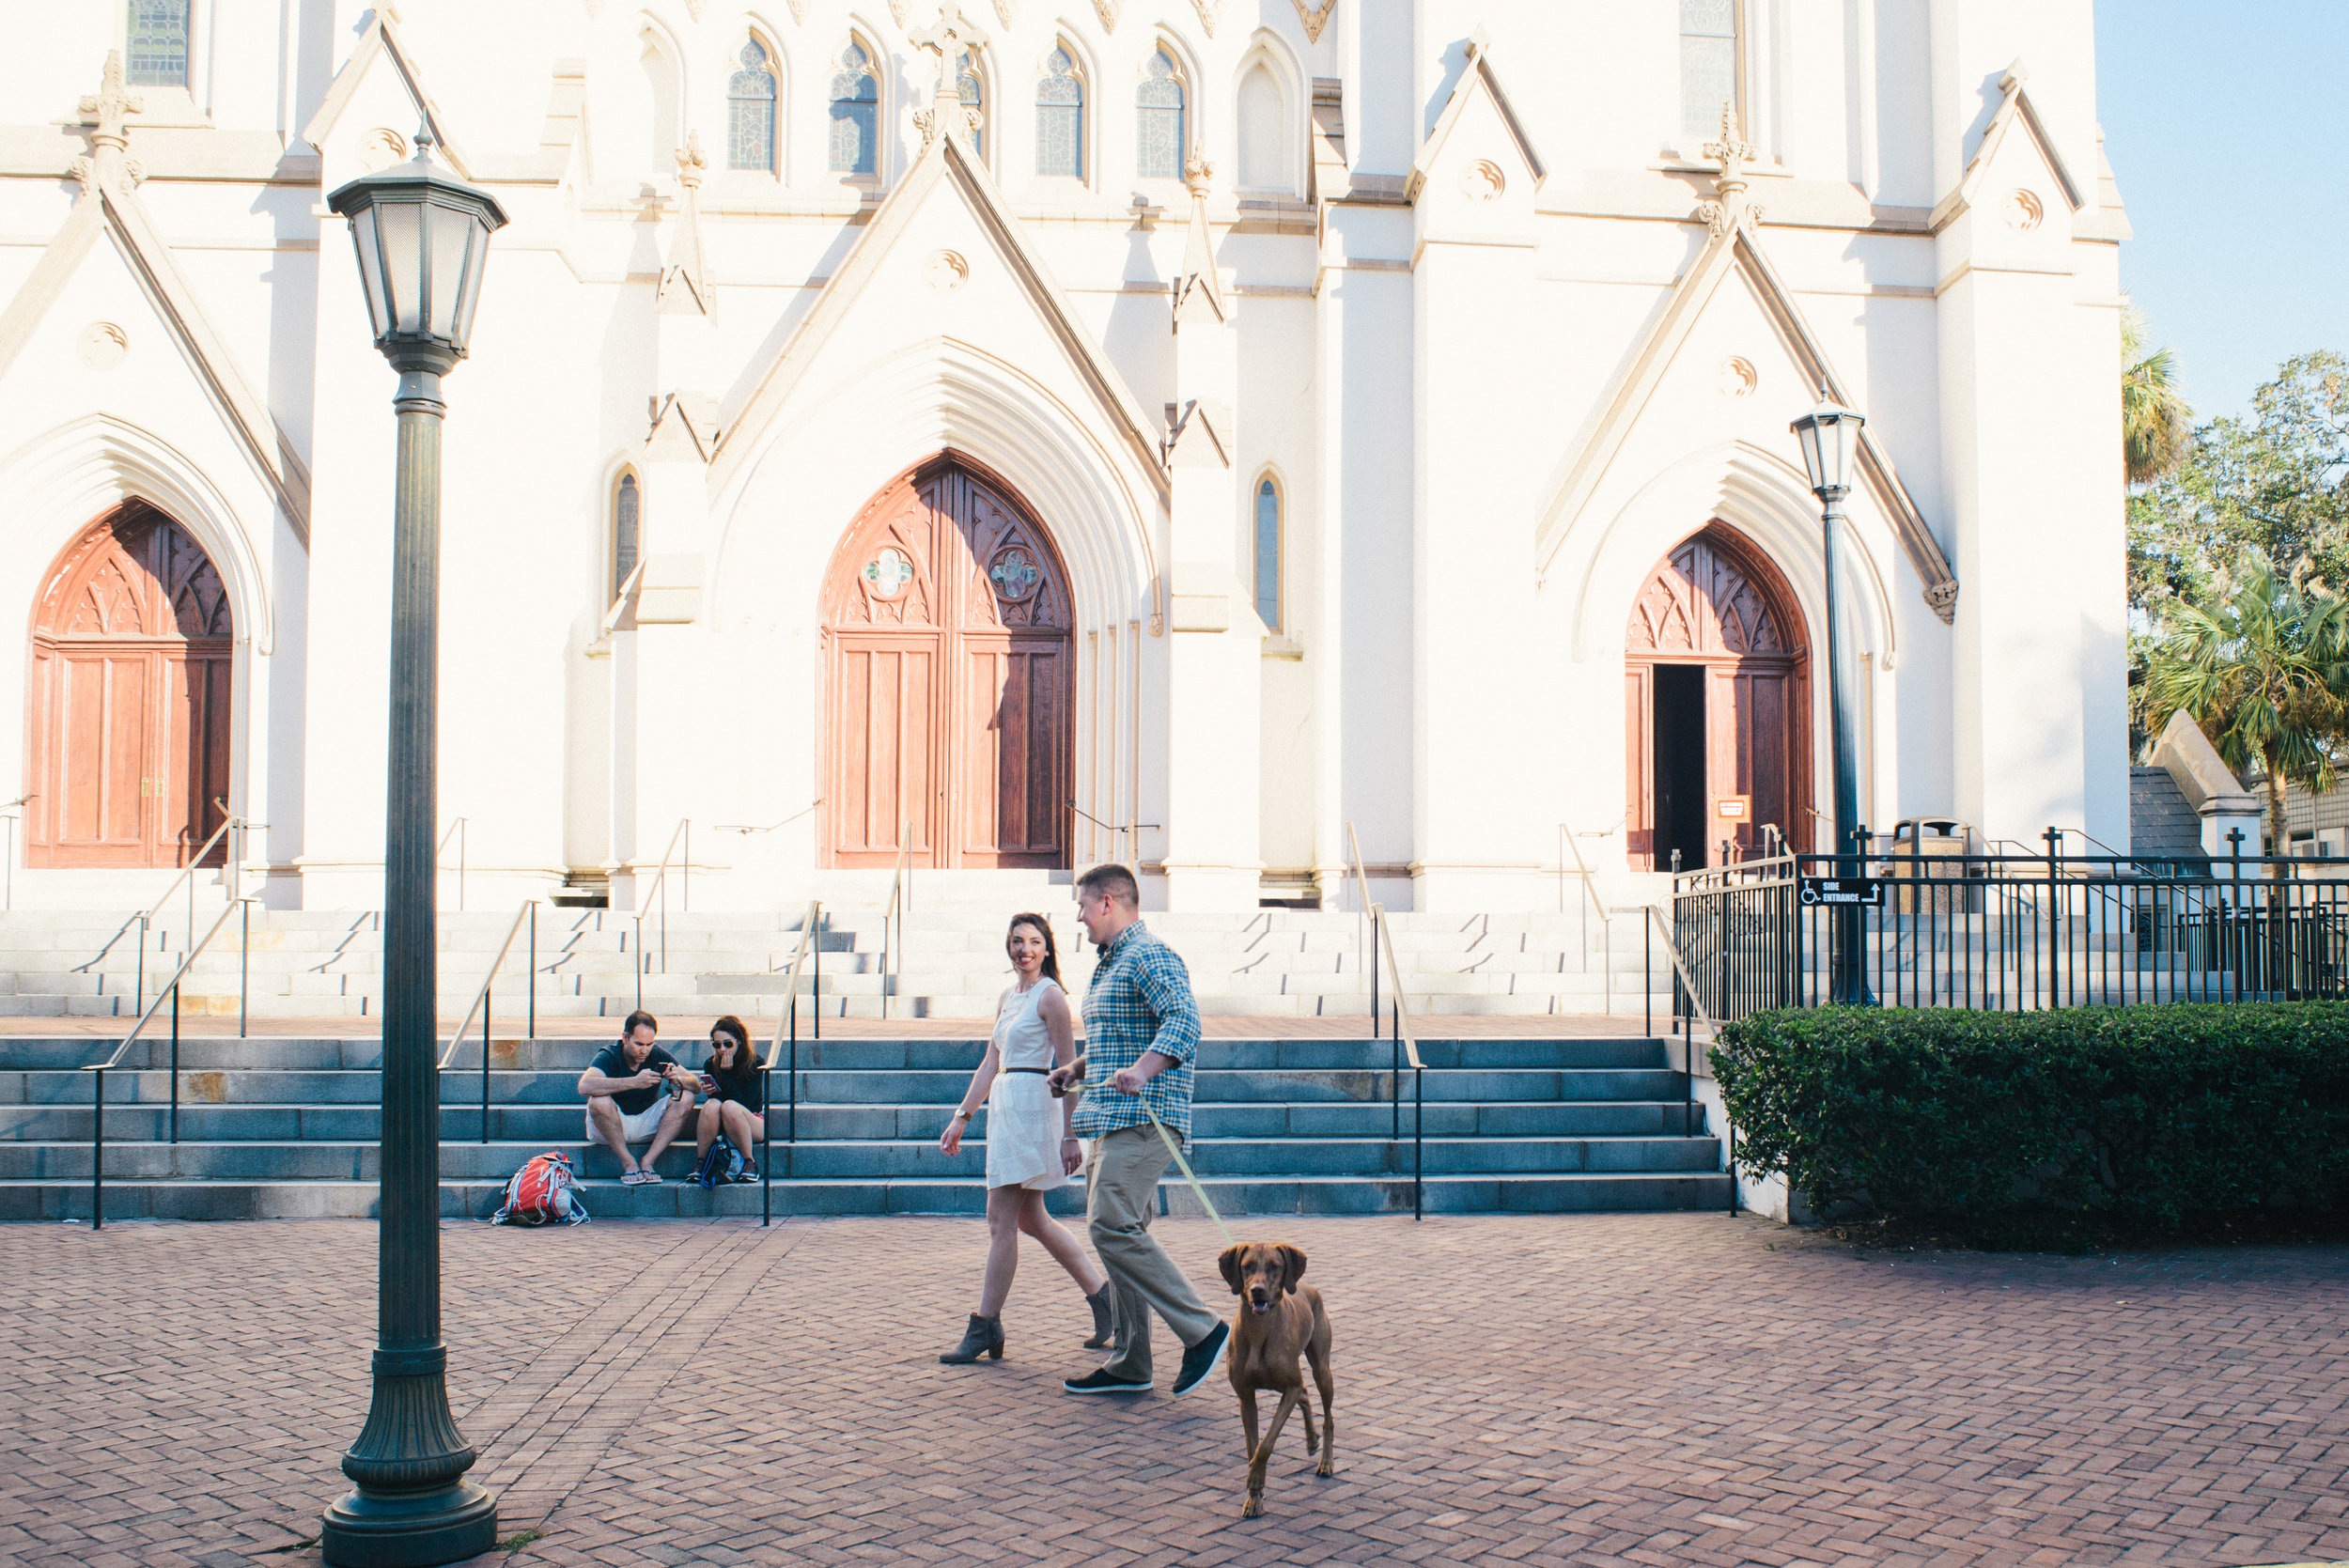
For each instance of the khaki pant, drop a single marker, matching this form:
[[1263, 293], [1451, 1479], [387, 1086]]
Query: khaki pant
[[1122, 1199]]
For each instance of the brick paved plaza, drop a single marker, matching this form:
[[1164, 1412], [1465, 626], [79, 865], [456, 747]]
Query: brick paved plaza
[[1609, 1388]]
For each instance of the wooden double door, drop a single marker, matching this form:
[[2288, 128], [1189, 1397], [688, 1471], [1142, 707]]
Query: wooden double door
[[948, 653], [130, 701], [1716, 708]]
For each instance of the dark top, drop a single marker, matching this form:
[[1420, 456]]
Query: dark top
[[747, 1094], [611, 1062]]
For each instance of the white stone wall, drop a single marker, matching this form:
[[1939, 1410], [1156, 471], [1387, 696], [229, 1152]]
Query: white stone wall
[[1447, 339]]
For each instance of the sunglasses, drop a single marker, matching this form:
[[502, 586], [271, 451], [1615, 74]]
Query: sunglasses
[[721, 1043]]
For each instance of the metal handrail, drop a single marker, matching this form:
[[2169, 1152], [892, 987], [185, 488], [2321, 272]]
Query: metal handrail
[[1362, 884], [1132, 831], [462, 832], [893, 915], [1406, 1043], [1569, 839], [481, 1005], [747, 829], [661, 886], [97, 1097], [809, 941]]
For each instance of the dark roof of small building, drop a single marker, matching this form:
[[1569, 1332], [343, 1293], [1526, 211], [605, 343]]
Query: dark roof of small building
[[2162, 825]]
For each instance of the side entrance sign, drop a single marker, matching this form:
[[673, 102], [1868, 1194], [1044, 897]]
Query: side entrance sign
[[1840, 890]]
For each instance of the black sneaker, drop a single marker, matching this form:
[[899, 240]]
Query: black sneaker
[[1201, 1358], [1103, 1381]]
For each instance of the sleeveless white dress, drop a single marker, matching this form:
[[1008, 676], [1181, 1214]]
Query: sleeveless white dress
[[1023, 1121]]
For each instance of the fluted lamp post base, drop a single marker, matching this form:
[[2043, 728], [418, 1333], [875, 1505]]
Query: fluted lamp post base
[[404, 1530]]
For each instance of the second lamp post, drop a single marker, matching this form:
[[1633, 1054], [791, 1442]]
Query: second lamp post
[[1831, 438]]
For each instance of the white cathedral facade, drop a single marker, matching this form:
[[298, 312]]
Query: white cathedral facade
[[1208, 433]]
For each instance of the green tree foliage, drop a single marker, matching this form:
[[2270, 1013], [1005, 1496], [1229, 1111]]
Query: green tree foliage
[[2262, 663], [2276, 483], [2157, 426]]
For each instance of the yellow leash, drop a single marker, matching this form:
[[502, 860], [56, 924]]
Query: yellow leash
[[1174, 1146]]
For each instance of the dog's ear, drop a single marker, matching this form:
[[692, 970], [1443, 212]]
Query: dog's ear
[[1293, 1260], [1228, 1262]]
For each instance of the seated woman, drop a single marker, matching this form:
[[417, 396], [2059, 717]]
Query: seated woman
[[736, 1104]]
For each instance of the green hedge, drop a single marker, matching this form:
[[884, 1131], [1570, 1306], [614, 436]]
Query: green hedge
[[2161, 1118]]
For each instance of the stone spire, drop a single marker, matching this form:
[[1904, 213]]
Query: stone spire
[[951, 37]]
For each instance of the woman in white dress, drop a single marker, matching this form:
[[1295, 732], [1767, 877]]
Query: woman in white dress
[[1030, 1148]]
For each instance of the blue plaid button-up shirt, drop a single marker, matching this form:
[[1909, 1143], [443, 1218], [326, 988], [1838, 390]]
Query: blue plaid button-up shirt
[[1139, 1000]]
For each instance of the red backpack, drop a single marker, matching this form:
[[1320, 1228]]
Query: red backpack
[[542, 1194]]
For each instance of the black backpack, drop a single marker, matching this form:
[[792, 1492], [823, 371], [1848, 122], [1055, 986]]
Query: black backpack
[[722, 1163]]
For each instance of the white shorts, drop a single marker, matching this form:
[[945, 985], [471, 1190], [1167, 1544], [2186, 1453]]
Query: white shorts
[[638, 1129]]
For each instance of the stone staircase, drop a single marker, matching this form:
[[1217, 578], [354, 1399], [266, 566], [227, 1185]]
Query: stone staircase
[[285, 1128], [946, 963]]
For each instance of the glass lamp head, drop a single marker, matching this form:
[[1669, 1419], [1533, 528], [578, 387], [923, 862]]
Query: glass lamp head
[[423, 238], [1830, 435]]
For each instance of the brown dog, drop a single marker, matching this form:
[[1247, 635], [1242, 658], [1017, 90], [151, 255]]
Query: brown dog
[[1279, 1318]]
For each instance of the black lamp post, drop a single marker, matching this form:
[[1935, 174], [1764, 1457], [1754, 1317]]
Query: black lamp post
[[423, 240], [1830, 438]]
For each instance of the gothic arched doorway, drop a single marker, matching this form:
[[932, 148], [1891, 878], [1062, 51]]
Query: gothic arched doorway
[[1716, 710], [947, 649], [128, 698]]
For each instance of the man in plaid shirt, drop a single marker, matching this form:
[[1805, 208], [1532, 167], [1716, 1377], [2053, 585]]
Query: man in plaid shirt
[[1141, 1033]]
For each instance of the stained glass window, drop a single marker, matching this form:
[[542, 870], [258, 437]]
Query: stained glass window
[[157, 55], [1708, 65], [624, 542], [1060, 111], [855, 115], [1268, 556], [750, 113], [973, 95], [1159, 102]]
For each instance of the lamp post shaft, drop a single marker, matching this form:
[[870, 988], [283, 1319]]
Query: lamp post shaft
[[412, 1505], [1848, 982]]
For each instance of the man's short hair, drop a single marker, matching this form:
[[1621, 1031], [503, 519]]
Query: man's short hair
[[1110, 882], [639, 1020]]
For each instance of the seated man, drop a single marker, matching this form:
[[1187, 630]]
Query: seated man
[[636, 1090]]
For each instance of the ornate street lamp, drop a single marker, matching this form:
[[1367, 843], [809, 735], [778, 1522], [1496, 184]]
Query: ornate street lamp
[[423, 240], [1830, 439]]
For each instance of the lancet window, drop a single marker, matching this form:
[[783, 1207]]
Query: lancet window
[[973, 92], [158, 39], [751, 112], [1708, 66], [1158, 145], [626, 535], [1268, 562], [1060, 111], [855, 114]]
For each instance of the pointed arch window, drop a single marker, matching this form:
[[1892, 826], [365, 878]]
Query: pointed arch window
[[158, 40], [751, 112], [1708, 66], [627, 539], [1263, 132], [855, 114], [1060, 111], [1158, 145], [1268, 553], [973, 92]]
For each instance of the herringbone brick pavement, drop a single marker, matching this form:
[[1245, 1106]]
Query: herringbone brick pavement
[[1604, 1389]]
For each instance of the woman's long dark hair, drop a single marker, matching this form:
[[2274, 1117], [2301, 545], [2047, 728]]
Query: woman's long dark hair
[[1050, 968], [745, 1057]]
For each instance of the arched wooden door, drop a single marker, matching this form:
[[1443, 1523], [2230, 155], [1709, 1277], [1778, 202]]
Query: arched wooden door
[[129, 698], [947, 654], [1716, 710]]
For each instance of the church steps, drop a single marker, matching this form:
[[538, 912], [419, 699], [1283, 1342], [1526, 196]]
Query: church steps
[[288, 1127]]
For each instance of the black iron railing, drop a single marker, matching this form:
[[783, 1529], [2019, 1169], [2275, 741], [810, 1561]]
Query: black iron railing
[[2010, 931]]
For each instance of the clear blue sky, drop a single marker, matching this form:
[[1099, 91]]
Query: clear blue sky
[[2224, 125]]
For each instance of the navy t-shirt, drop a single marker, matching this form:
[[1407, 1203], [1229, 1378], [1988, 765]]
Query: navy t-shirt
[[611, 1062]]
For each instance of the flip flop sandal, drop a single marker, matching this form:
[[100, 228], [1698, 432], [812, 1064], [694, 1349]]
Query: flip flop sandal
[[650, 1176], [633, 1178]]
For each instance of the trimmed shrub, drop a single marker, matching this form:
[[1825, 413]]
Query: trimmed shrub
[[2159, 1118]]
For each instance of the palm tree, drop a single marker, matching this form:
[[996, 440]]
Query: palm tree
[[2155, 423], [2262, 664]]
